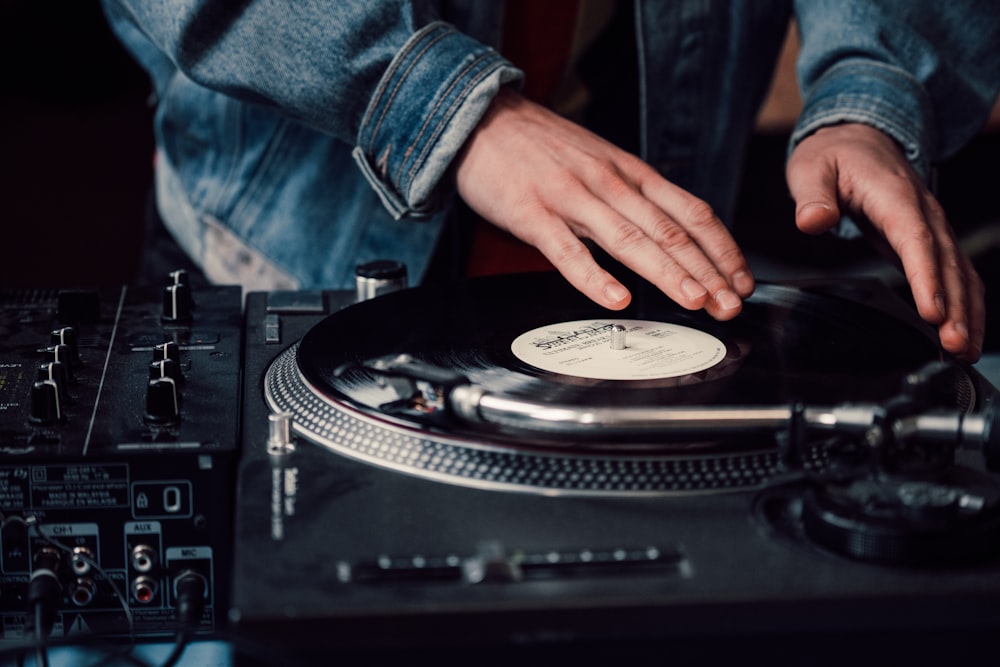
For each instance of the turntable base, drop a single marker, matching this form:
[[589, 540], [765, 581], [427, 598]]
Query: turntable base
[[341, 553]]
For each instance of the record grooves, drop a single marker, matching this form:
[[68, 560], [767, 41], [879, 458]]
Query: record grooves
[[789, 345]]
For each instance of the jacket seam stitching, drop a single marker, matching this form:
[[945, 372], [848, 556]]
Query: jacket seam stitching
[[466, 85]]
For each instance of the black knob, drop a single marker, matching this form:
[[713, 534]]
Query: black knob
[[178, 277], [46, 406], [57, 372], [67, 336], [168, 350], [165, 368], [177, 304], [60, 354], [162, 401]]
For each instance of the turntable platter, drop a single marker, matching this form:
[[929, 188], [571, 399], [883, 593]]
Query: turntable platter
[[803, 344]]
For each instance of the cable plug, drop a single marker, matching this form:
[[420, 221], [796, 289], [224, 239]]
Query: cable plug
[[45, 589], [190, 591]]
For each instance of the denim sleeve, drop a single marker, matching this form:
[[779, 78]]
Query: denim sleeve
[[923, 71], [383, 75]]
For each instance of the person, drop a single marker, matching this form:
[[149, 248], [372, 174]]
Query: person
[[296, 140]]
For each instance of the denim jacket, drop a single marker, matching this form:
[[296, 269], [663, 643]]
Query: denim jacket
[[297, 139]]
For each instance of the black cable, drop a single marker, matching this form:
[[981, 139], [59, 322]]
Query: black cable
[[41, 653], [190, 590], [180, 645]]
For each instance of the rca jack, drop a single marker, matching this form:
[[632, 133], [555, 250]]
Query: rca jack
[[143, 558], [82, 591], [144, 589], [80, 561]]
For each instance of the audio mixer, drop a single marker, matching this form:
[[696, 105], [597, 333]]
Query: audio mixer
[[119, 424]]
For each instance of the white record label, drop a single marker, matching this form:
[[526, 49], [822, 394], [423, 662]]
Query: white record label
[[653, 350]]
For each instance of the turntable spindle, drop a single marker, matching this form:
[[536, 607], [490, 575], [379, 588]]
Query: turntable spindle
[[618, 337]]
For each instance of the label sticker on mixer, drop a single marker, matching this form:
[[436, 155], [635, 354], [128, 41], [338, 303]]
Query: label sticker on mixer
[[619, 349]]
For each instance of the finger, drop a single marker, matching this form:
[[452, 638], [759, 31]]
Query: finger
[[813, 183], [573, 260], [687, 227], [962, 327], [700, 286], [921, 238], [677, 266]]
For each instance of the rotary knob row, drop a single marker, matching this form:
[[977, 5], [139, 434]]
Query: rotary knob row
[[50, 392]]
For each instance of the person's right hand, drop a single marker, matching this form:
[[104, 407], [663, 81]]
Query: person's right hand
[[550, 183]]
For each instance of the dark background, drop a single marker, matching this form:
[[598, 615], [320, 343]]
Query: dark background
[[77, 149]]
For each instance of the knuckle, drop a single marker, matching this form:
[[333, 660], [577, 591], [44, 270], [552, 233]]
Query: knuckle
[[669, 234], [605, 177], [568, 252], [731, 256], [626, 238], [700, 214], [916, 238]]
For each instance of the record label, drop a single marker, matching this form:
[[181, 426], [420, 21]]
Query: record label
[[652, 350]]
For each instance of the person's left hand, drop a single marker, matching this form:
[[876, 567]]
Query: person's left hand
[[863, 170]]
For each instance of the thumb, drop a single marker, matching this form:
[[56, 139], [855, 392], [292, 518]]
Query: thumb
[[812, 181]]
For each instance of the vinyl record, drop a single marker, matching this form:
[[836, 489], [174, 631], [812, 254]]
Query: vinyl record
[[809, 345]]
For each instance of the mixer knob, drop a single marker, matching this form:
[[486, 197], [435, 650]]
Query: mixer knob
[[61, 354], [168, 350], [162, 401], [57, 372], [67, 336], [177, 303], [165, 368], [46, 406]]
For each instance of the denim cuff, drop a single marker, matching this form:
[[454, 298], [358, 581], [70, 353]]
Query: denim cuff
[[883, 96], [430, 99]]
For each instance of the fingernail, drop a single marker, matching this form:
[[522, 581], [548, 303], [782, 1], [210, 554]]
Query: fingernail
[[615, 293], [962, 330], [728, 300], [743, 282], [815, 204], [693, 289]]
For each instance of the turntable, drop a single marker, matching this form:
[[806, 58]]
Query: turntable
[[499, 467]]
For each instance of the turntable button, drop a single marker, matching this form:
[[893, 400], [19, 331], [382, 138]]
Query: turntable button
[[272, 328]]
